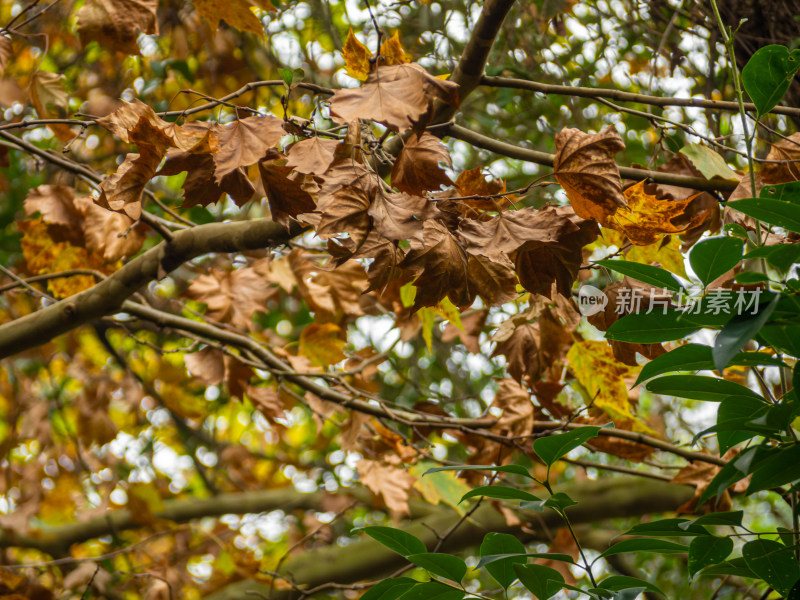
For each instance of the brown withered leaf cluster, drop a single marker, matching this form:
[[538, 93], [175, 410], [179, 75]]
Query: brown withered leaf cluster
[[584, 166]]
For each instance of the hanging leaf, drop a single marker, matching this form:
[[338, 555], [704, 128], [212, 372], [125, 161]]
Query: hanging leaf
[[768, 74]]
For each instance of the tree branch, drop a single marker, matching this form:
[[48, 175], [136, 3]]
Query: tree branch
[[586, 92], [543, 158], [107, 297]]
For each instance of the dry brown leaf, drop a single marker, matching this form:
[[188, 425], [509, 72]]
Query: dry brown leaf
[[386, 264], [56, 203], [397, 96], [207, 364], [109, 234], [268, 402], [539, 267], [699, 474], [785, 150], [492, 278], [517, 406], [6, 52], [322, 343], [344, 211], [232, 296], [116, 24], [332, 294], [236, 13], [312, 156], [389, 482], [584, 166], [50, 99], [392, 52], [521, 350], [200, 186], [441, 263], [396, 216], [474, 183], [244, 142], [286, 193], [122, 191], [562, 543], [417, 169]]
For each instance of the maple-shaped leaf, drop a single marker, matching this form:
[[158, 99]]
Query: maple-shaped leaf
[[521, 350], [344, 211], [441, 262], [784, 172], [136, 123], [646, 218], [389, 482], [540, 265], [517, 406], [244, 142], [231, 296], [122, 191], [334, 294], [514, 229], [396, 216], [584, 166], [386, 256], [312, 156], [116, 24], [213, 367], [493, 279], [322, 343], [397, 96], [474, 183], [56, 203], [200, 186], [416, 169], [236, 13], [287, 193], [109, 234], [594, 366]]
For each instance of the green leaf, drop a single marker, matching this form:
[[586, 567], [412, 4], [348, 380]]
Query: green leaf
[[543, 582], [658, 326], [782, 467], [749, 277], [794, 593], [675, 527], [443, 565], [492, 558], [618, 583], [502, 570], [708, 550], [389, 589], [709, 163], [699, 387], [731, 518], [500, 492], [396, 540], [645, 545], [736, 567], [443, 487], [714, 257], [772, 562], [782, 337], [768, 74], [553, 447], [696, 357], [515, 469], [781, 256], [774, 212], [738, 331], [432, 590], [653, 275]]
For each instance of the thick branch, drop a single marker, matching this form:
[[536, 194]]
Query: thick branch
[[106, 297], [543, 158], [366, 559], [586, 92]]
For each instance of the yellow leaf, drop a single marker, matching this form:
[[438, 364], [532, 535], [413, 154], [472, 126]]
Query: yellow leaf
[[392, 52], [356, 57], [647, 218], [450, 312], [594, 366], [236, 13], [427, 317], [322, 344], [443, 486]]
